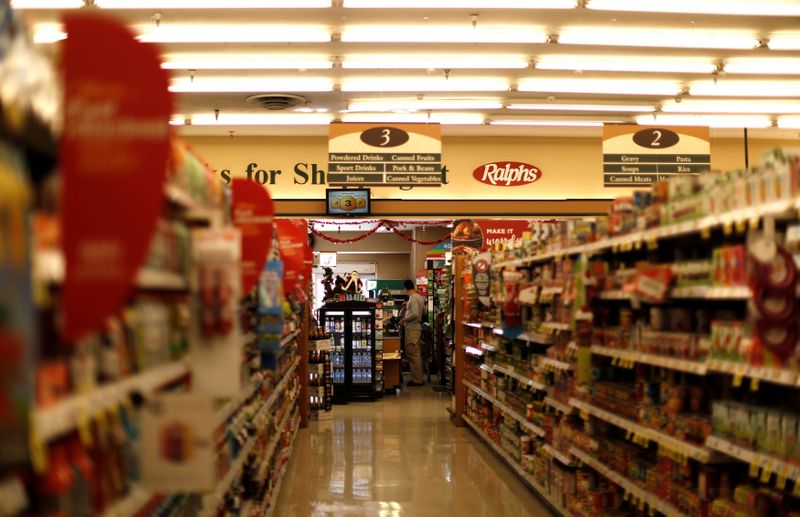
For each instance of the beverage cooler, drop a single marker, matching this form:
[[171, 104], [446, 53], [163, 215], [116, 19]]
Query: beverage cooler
[[351, 325]]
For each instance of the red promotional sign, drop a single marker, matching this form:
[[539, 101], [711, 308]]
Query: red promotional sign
[[507, 174], [308, 263], [481, 234], [253, 210], [114, 153], [292, 242]]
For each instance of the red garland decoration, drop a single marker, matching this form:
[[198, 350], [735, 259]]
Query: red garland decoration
[[391, 226]]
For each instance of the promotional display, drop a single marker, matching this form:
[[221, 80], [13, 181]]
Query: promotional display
[[253, 210], [111, 136], [292, 244], [483, 234], [640, 156], [385, 155]]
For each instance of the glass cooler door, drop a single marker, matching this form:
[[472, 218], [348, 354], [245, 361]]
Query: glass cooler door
[[363, 356]]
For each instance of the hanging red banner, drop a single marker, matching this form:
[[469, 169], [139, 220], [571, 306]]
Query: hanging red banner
[[308, 263], [114, 152], [481, 234], [292, 241], [253, 210]]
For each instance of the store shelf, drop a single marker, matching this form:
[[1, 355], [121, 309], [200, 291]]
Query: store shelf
[[566, 459], [535, 429], [478, 325], [630, 241], [555, 364], [273, 443], [488, 347], [289, 337], [536, 337], [556, 326], [508, 371], [705, 292], [273, 498], [764, 461], [639, 493], [192, 210], [537, 489], [679, 447], [672, 363], [615, 294], [137, 497], [773, 375], [487, 368], [64, 416], [564, 408], [160, 280], [321, 345]]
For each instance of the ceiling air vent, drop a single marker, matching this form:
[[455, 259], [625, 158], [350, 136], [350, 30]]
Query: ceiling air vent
[[276, 101]]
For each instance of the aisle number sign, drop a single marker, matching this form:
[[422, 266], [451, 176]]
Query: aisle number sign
[[385, 155], [636, 156]]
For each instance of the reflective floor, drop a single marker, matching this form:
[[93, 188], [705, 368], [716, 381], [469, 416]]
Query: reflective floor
[[399, 457]]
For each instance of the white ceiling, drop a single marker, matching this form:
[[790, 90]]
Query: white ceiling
[[438, 24]]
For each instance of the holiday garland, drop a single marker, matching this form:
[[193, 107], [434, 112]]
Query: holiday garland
[[392, 225]]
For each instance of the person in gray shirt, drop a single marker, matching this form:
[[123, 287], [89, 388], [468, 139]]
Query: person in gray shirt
[[415, 312]]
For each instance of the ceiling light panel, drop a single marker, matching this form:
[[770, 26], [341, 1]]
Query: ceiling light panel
[[444, 34], [621, 63], [251, 84], [784, 40], [461, 4], [383, 105], [734, 88], [721, 121], [438, 118], [659, 37], [763, 65], [252, 119], [619, 108], [440, 61], [233, 33], [599, 86], [424, 84], [789, 122], [173, 4], [755, 107], [720, 7], [245, 61], [568, 123]]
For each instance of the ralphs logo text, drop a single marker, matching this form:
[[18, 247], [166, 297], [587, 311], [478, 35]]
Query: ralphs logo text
[[507, 174]]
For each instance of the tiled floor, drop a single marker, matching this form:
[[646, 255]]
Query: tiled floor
[[399, 457]]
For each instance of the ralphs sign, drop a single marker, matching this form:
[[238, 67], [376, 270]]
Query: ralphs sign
[[507, 174]]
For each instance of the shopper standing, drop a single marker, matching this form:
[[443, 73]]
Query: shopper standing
[[415, 308]]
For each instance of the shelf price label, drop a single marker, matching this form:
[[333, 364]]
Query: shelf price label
[[634, 156]]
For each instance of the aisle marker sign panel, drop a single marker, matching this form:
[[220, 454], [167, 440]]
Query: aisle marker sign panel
[[635, 156], [389, 155]]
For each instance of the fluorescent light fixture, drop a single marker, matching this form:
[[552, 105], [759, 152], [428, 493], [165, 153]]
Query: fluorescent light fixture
[[599, 86], [784, 40], [172, 4], [207, 33], [251, 84], [567, 123], [233, 33], [723, 121], [659, 37], [400, 33], [789, 122], [756, 107], [442, 61], [424, 84], [439, 118], [721, 7], [252, 119], [763, 65], [246, 61], [48, 33], [621, 63], [461, 4], [422, 105], [633, 108], [735, 88]]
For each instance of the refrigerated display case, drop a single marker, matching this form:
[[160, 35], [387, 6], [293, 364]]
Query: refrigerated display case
[[351, 325]]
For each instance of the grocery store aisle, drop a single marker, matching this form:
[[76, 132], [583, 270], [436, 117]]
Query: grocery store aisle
[[399, 457]]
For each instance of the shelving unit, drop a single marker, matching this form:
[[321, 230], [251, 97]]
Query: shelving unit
[[535, 429]]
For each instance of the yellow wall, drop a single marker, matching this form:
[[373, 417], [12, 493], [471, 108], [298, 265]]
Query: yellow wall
[[571, 167]]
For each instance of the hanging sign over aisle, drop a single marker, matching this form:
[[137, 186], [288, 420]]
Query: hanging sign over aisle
[[253, 210], [292, 241], [114, 157], [481, 234], [636, 156], [385, 155]]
